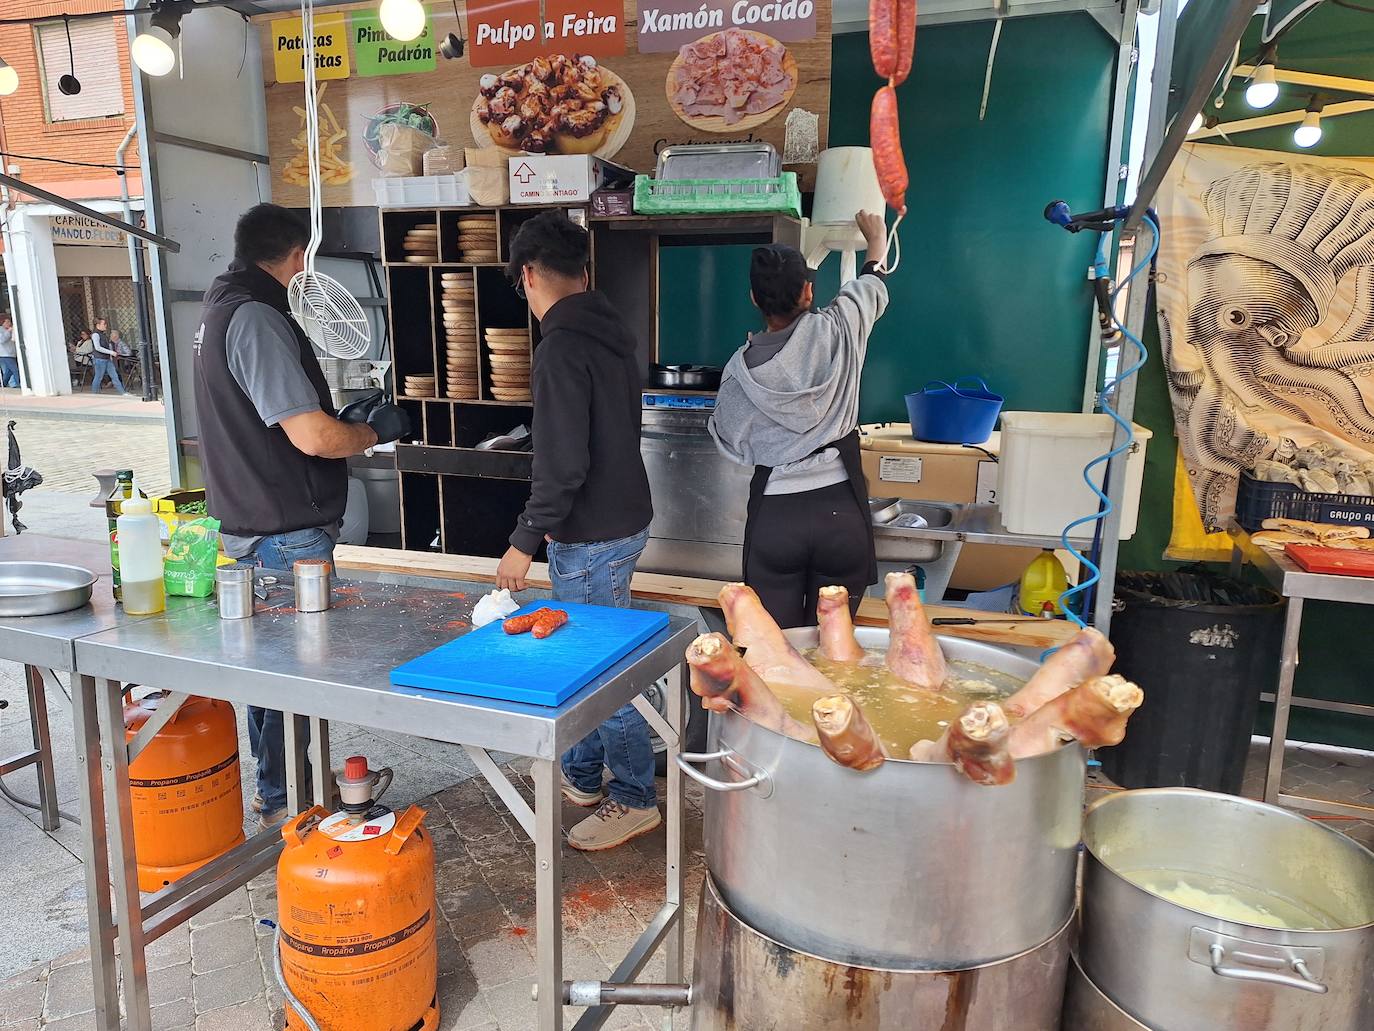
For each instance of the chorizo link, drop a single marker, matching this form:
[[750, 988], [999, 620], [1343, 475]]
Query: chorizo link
[[882, 37], [885, 137], [906, 40], [549, 620], [521, 624]]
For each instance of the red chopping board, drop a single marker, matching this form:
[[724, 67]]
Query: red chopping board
[[1316, 559]]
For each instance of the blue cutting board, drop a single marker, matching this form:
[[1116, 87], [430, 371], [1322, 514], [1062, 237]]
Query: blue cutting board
[[490, 663]]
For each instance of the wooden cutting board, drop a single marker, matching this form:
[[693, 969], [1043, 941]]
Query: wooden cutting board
[[1024, 631]]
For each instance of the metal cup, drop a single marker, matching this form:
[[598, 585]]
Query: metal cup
[[313, 588], [234, 590]]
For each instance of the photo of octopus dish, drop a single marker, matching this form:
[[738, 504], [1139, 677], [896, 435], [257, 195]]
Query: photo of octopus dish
[[554, 105], [731, 80]]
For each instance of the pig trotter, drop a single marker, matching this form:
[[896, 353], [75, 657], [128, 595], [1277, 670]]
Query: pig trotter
[[837, 627], [1094, 714], [770, 653], [845, 735], [979, 744], [722, 679], [913, 653], [1087, 655]]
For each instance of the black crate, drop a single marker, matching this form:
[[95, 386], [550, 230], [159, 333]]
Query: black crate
[[1257, 500]]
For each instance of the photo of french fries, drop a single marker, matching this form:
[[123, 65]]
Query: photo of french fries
[[334, 169]]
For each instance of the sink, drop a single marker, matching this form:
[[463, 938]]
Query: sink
[[895, 540]]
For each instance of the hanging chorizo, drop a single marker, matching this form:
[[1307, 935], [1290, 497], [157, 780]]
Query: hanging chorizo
[[906, 40], [882, 37], [885, 137]]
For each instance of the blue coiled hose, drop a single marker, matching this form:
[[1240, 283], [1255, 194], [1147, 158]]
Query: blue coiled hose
[[1105, 504]]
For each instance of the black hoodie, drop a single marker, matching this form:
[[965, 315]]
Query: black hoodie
[[589, 480]]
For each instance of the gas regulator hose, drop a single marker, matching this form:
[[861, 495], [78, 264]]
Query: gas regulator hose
[[310, 1022]]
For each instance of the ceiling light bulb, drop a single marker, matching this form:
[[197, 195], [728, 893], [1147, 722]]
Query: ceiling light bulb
[[1264, 88], [402, 19], [1309, 134], [1196, 123], [9, 79], [152, 51]]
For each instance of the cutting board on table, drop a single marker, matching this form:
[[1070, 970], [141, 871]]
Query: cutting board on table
[[490, 663], [1316, 559]]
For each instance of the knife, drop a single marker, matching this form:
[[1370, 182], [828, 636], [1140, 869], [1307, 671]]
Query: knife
[[968, 621]]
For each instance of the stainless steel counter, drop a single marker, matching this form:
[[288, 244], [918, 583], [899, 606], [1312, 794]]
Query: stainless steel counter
[[336, 665], [1298, 586]]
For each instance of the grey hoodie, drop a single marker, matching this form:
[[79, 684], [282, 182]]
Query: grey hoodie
[[780, 412]]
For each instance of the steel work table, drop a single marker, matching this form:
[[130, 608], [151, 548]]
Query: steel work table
[[1298, 585], [335, 665]]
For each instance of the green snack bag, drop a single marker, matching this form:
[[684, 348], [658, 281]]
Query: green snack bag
[[188, 569]]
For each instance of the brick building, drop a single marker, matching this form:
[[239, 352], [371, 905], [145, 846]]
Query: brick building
[[63, 271]]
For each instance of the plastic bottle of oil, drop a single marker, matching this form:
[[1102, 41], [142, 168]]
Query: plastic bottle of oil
[[1041, 585], [140, 556], [124, 489]]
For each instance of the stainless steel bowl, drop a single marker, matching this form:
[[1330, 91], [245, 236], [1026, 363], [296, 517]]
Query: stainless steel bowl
[[43, 588]]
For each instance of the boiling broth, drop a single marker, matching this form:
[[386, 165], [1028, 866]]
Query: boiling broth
[[1231, 900], [899, 713]]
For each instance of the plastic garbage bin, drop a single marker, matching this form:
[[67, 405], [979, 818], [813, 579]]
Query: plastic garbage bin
[[1202, 647]]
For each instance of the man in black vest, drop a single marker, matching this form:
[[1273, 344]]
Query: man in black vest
[[272, 446]]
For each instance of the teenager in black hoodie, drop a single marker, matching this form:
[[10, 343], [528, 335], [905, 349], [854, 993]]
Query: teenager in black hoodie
[[589, 498]]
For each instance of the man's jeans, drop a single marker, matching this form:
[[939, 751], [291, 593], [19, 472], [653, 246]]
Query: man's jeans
[[599, 574], [9, 372], [105, 367], [265, 733]]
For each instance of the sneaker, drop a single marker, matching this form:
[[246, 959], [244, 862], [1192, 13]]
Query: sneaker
[[275, 818], [257, 803], [575, 795], [611, 825]]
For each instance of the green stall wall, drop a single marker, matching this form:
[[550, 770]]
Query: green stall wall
[[986, 286], [1332, 41]]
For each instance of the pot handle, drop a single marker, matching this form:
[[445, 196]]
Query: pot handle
[[1305, 980], [729, 759]]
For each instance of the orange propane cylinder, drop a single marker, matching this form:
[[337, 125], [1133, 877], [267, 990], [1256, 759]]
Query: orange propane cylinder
[[357, 915], [185, 787]]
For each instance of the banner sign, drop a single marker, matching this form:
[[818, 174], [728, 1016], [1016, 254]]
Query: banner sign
[[618, 79], [83, 231]]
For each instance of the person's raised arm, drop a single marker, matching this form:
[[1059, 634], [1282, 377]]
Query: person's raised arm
[[323, 436]]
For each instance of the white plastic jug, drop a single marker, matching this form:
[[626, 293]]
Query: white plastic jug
[[140, 557]]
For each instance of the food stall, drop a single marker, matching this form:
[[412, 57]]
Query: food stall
[[425, 171]]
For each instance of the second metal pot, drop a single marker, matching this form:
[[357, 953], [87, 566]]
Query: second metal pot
[[909, 867], [1177, 969]]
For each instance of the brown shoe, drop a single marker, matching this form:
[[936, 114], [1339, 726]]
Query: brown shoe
[[612, 825], [575, 795]]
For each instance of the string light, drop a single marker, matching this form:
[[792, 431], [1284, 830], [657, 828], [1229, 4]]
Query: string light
[[9, 79], [402, 19], [1309, 133], [1264, 87], [152, 49]]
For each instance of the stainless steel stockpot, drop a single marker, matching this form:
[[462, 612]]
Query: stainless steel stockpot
[[908, 867], [1176, 969]]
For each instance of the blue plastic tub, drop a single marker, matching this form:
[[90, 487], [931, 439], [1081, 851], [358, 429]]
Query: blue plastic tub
[[951, 413]]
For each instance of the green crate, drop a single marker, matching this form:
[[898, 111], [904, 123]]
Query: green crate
[[717, 196]]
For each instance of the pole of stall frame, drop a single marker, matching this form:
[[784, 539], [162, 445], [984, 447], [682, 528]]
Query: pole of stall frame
[[140, 278]]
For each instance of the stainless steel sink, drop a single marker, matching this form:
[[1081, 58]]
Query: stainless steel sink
[[896, 539]]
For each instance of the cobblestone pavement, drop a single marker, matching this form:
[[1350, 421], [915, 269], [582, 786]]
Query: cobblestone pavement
[[67, 451]]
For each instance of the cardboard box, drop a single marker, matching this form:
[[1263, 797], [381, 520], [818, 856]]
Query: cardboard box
[[560, 178]]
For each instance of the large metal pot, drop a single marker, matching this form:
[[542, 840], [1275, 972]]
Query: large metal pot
[[1176, 969], [909, 867], [745, 981]]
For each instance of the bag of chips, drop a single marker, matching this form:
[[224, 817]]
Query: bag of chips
[[188, 568]]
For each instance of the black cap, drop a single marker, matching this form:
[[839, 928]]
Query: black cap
[[777, 274]]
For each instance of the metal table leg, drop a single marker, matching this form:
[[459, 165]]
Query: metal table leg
[[42, 744], [319, 760], [675, 858], [95, 854], [293, 730], [548, 894], [1283, 699], [123, 857]]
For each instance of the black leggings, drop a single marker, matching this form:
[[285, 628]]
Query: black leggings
[[800, 543]]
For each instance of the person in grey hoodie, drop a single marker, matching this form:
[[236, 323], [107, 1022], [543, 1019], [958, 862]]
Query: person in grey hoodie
[[789, 406]]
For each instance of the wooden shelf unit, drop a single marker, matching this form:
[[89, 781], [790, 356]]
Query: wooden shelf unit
[[454, 498]]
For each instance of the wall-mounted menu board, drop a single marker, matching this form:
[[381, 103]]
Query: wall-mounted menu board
[[621, 79]]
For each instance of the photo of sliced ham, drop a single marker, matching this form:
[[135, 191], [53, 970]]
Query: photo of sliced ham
[[731, 80]]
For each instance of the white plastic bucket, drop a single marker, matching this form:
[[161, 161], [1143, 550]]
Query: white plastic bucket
[[1040, 486]]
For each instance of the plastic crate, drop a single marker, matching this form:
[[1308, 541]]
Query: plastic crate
[[1258, 500], [717, 196], [423, 191]]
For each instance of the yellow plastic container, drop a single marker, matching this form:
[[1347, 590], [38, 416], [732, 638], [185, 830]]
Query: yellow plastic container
[[1043, 581]]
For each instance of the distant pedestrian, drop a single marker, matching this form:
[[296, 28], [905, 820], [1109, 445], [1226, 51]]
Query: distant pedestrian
[[122, 347], [9, 353], [105, 355]]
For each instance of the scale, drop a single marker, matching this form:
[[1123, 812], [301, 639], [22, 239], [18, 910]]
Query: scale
[[679, 400]]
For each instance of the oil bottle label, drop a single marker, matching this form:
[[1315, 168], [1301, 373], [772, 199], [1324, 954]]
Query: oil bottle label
[[375, 823], [359, 948]]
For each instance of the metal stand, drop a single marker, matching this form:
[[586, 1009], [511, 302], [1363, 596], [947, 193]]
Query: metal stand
[[40, 756], [1297, 586]]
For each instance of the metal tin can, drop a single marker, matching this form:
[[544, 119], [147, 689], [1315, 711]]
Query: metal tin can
[[234, 590], [313, 587]]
